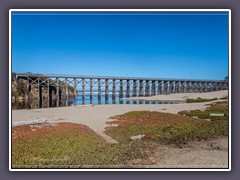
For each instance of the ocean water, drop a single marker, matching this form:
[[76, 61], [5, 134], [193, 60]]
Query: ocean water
[[84, 100]]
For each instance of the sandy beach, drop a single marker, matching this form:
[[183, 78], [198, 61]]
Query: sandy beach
[[96, 116], [183, 96]]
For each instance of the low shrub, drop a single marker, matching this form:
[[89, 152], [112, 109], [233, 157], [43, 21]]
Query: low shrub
[[199, 100]]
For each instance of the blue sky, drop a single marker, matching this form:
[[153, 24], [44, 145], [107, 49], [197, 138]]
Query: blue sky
[[161, 45]]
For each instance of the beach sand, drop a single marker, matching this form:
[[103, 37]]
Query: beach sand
[[183, 96]]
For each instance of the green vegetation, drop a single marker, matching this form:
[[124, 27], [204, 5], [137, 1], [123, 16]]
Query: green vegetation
[[224, 98], [216, 111], [199, 100], [165, 128], [68, 146]]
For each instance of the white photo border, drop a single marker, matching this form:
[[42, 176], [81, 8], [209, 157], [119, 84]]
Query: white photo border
[[121, 10]]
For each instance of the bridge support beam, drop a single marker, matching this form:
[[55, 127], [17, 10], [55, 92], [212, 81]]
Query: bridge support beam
[[99, 87], [171, 87], [91, 91], [128, 88], [141, 88], [66, 91], [134, 87], [121, 88], [66, 88], [193, 88], [29, 89], [39, 94], [187, 88], [57, 91], [215, 86], [177, 86], [48, 93], [106, 87], [153, 88], [147, 88], [198, 86], [83, 91], [114, 88], [75, 89], [166, 87], [114, 99], [160, 90], [91, 87]]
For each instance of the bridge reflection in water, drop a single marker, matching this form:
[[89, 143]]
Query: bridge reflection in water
[[87, 100]]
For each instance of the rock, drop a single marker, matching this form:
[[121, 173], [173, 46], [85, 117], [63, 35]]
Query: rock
[[138, 137], [20, 90]]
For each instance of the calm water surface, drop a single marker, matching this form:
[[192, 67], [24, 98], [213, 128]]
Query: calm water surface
[[80, 100]]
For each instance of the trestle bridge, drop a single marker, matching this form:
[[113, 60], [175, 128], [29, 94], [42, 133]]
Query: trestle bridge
[[136, 86]]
